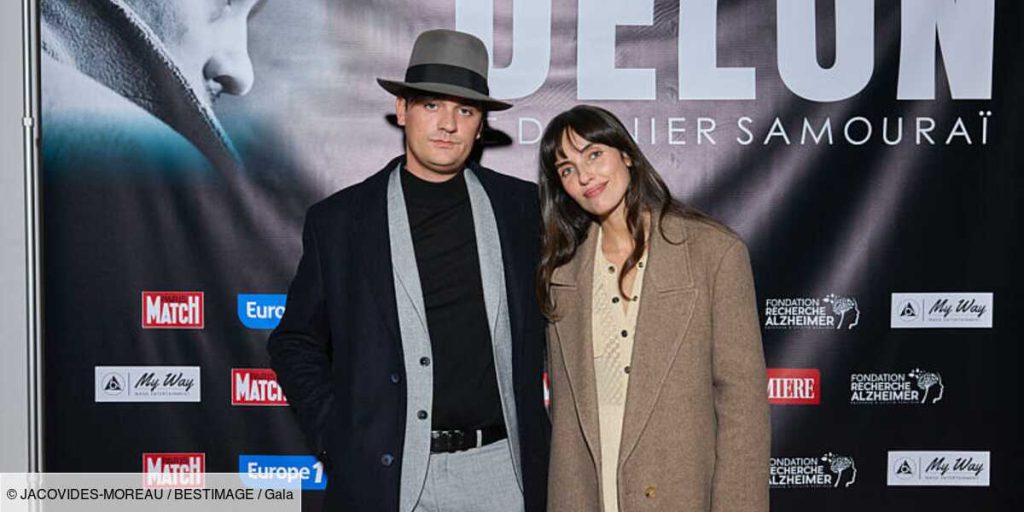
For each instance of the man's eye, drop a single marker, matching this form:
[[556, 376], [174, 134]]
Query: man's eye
[[430, 106], [468, 112]]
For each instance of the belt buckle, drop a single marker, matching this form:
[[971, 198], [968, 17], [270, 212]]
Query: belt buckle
[[457, 438]]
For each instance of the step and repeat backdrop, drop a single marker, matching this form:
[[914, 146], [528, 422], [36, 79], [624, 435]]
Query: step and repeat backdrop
[[869, 152]]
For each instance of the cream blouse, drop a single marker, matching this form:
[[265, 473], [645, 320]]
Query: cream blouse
[[612, 328]]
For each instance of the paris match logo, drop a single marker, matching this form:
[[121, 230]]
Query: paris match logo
[[794, 386], [178, 470], [172, 310], [828, 471], [256, 386], [911, 388], [832, 311]]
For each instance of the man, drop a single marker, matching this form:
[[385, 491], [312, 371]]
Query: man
[[411, 347], [134, 81]]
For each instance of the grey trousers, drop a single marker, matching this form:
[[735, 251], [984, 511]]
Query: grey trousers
[[477, 480]]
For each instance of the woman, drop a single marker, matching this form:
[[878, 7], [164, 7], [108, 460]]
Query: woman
[[675, 416]]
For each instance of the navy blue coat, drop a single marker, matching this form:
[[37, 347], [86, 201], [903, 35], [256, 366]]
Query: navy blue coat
[[338, 352]]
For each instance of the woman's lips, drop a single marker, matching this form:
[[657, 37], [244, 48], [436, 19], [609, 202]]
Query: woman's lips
[[593, 192]]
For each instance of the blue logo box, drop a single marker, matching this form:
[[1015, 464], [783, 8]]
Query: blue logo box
[[261, 310], [282, 471]]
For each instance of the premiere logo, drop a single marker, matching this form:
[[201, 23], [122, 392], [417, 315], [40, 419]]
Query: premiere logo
[[828, 471], [938, 468], [172, 310], [794, 386], [941, 310], [829, 312], [178, 470], [256, 386]]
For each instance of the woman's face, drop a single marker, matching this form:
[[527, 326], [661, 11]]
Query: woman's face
[[594, 175]]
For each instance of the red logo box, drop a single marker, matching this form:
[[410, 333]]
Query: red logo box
[[173, 470], [173, 310], [794, 386], [256, 386]]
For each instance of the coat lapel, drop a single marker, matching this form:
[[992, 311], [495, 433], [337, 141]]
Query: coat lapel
[[572, 287], [375, 257], [666, 308]]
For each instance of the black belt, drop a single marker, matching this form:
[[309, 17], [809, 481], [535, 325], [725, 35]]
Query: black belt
[[451, 441]]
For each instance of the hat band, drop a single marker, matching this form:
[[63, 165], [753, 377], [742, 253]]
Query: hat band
[[447, 74]]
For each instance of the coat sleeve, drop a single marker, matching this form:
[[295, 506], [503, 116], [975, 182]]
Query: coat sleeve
[[742, 445], [300, 346]]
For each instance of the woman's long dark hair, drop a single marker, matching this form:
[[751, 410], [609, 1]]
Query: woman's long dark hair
[[565, 223]]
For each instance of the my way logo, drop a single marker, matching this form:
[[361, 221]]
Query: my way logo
[[794, 386], [938, 468], [941, 310], [282, 471], [256, 386], [914, 387], [260, 310], [172, 310], [829, 312], [829, 470], [147, 384], [173, 469]]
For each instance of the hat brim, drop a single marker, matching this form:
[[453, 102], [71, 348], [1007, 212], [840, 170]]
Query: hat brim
[[403, 88]]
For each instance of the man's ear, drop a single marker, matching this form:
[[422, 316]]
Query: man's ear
[[400, 106]]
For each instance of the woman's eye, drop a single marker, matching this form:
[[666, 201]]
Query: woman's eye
[[565, 171], [596, 154]]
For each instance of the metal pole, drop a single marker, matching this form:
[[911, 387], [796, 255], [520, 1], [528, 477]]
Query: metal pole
[[30, 56]]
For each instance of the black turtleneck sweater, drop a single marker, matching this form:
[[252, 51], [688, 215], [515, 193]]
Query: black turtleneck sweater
[[465, 385]]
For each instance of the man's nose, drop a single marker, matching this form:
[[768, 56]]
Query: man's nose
[[231, 67], [446, 121]]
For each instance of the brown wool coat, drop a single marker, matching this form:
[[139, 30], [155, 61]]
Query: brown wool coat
[[696, 434]]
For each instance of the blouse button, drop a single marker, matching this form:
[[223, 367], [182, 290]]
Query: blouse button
[[627, 369], [641, 264], [624, 333], [611, 269], [615, 300]]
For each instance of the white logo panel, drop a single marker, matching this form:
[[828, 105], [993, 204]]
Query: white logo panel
[[941, 310]]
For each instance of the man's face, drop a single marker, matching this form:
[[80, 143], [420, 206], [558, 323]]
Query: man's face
[[439, 135], [208, 40]]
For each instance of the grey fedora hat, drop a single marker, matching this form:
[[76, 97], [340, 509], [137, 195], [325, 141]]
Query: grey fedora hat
[[448, 63]]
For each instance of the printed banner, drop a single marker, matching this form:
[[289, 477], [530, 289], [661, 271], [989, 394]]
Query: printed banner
[[868, 152]]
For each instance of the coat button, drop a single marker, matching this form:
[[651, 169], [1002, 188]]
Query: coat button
[[650, 491], [421, 415], [387, 459], [395, 378], [424, 361]]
